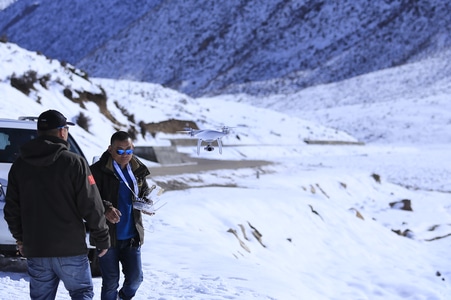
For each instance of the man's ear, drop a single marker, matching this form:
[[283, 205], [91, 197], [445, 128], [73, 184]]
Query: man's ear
[[61, 134], [109, 149]]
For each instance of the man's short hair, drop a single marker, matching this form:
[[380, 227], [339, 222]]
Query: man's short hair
[[119, 136]]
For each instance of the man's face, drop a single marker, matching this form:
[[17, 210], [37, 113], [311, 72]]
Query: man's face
[[123, 147], [63, 132]]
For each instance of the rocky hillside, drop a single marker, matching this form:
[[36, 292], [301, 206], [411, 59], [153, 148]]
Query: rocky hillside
[[212, 47]]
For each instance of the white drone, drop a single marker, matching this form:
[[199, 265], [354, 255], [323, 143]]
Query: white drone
[[208, 136]]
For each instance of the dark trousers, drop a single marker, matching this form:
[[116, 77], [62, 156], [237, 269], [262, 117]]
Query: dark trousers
[[128, 254]]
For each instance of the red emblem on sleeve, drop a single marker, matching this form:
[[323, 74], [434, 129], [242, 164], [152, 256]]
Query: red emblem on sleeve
[[91, 180]]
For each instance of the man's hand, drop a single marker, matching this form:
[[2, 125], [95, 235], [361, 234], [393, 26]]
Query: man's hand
[[102, 252], [113, 215], [148, 212], [148, 201]]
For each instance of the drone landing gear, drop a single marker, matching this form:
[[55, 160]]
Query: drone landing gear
[[209, 147]]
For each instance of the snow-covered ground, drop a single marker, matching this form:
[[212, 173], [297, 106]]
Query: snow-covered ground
[[326, 223]]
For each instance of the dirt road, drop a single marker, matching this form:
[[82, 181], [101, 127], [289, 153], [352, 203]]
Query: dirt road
[[202, 165]]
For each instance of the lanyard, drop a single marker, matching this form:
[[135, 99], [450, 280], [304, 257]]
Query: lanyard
[[132, 176]]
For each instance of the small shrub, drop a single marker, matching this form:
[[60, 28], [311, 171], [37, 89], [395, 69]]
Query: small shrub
[[44, 79], [125, 112], [25, 83], [143, 128], [68, 93], [376, 177], [132, 132], [83, 121]]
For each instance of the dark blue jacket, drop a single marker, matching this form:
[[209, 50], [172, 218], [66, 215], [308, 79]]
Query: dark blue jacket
[[108, 184]]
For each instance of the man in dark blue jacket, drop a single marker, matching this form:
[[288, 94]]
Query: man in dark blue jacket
[[51, 197], [121, 179]]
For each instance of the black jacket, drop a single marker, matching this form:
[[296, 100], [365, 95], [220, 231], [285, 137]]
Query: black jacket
[[51, 194], [108, 184]]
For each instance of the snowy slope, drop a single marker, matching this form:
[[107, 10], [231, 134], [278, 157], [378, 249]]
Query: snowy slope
[[145, 101], [405, 104], [5, 3], [313, 243]]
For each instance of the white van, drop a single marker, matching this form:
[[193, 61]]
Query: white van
[[13, 134]]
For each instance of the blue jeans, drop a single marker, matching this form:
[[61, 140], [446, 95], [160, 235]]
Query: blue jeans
[[129, 255], [46, 272]]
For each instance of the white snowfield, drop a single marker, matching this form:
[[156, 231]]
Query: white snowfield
[[317, 224]]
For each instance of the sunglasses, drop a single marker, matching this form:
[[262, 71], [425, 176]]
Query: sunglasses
[[122, 152]]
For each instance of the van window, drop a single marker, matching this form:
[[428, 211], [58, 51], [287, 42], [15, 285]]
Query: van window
[[74, 146], [11, 139]]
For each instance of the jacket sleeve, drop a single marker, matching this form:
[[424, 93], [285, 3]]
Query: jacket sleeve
[[91, 207], [141, 176], [12, 209], [145, 190]]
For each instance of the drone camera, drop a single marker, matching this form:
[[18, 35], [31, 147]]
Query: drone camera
[[209, 148]]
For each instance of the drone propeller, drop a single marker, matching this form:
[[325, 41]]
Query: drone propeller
[[187, 130], [226, 129]]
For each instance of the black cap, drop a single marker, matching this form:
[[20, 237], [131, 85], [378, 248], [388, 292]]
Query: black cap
[[52, 119]]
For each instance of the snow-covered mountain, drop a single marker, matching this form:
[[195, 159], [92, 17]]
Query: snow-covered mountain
[[318, 224], [327, 214], [217, 47], [31, 83], [5, 3], [404, 104]]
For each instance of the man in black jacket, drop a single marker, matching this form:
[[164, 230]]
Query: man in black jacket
[[121, 179], [51, 197]]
